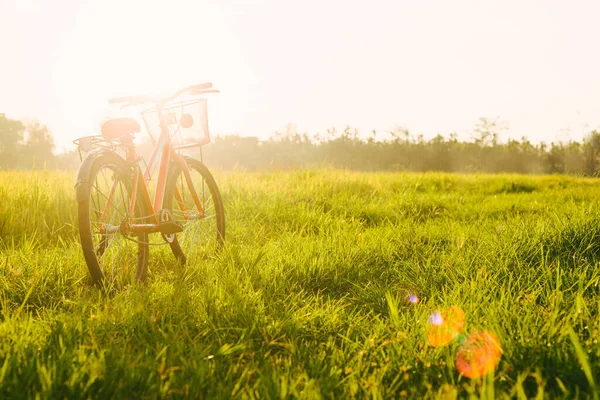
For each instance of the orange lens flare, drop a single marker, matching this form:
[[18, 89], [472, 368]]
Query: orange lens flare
[[478, 355], [445, 326]]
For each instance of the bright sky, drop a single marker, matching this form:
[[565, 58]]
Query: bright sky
[[433, 66]]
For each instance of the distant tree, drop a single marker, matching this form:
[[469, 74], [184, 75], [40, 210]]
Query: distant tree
[[39, 145], [591, 146], [11, 134], [487, 131], [554, 159], [574, 159], [400, 134]]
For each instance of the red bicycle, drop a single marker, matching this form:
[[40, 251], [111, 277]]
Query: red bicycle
[[115, 212]]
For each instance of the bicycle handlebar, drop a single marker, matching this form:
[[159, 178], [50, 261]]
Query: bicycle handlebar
[[127, 99], [199, 89], [201, 86]]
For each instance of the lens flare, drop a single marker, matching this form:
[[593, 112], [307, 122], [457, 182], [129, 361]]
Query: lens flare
[[436, 319], [413, 299], [478, 355], [445, 326]]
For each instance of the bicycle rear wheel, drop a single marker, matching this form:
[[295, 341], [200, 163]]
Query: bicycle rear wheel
[[112, 257], [203, 228]]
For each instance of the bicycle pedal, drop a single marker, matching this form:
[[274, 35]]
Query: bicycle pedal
[[169, 227]]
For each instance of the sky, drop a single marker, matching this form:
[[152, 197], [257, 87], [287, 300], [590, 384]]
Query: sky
[[431, 66]]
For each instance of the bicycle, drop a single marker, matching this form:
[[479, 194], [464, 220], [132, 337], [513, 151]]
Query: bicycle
[[116, 215]]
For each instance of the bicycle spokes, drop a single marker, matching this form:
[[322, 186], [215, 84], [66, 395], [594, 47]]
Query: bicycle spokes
[[193, 206], [109, 210]]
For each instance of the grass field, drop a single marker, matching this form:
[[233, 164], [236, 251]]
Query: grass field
[[309, 296]]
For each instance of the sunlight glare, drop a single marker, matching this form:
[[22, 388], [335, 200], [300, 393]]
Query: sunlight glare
[[478, 355], [143, 48], [445, 326]]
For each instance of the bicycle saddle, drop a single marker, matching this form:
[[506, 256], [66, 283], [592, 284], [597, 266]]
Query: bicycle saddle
[[119, 127]]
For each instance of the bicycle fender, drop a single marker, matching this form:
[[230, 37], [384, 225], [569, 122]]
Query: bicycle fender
[[180, 160], [82, 185]]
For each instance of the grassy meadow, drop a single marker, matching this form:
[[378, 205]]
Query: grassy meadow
[[308, 298]]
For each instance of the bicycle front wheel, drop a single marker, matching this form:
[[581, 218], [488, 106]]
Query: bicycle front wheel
[[203, 221], [112, 256]]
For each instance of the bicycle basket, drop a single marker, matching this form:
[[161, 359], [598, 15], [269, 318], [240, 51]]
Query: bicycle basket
[[186, 120]]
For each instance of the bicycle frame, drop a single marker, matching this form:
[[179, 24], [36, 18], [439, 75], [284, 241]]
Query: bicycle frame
[[161, 156]]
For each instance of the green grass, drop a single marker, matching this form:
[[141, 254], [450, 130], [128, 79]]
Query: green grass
[[308, 297]]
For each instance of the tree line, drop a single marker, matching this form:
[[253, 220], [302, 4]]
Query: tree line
[[485, 153], [26, 146]]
